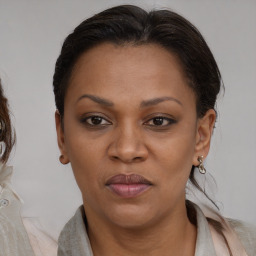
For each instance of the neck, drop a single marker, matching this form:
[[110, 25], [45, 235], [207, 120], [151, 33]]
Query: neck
[[164, 238]]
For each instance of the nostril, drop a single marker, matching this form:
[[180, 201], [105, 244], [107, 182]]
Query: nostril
[[115, 157], [128, 160]]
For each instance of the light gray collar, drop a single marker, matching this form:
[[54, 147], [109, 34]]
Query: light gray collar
[[74, 240], [204, 242]]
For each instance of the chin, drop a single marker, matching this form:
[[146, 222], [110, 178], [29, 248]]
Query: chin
[[131, 216]]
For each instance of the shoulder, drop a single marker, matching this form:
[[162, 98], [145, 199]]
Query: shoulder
[[246, 233]]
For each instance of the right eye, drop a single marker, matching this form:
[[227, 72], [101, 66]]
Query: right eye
[[95, 121]]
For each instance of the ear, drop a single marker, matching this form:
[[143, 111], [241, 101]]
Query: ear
[[61, 138], [204, 131]]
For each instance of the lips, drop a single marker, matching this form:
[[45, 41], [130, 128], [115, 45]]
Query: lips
[[128, 186]]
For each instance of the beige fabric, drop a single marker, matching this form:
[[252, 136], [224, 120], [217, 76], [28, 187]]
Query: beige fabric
[[15, 240], [221, 248], [240, 236], [74, 241], [220, 245], [246, 234], [42, 244], [233, 241]]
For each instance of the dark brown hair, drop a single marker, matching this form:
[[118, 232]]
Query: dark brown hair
[[130, 24], [7, 135]]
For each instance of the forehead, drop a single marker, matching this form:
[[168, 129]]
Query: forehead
[[147, 70]]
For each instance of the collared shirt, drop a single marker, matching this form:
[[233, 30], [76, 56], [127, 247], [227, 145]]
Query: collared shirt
[[19, 236]]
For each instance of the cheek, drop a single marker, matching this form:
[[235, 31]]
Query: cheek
[[174, 156], [175, 149], [81, 146], [84, 155]]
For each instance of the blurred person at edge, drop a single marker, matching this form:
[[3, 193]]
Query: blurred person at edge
[[18, 236], [135, 93]]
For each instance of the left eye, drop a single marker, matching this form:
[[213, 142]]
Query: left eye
[[160, 121], [96, 120]]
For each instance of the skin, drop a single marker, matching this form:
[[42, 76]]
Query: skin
[[128, 140]]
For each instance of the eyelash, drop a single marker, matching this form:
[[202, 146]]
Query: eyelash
[[90, 124], [164, 119]]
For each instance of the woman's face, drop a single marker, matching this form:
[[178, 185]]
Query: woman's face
[[131, 133]]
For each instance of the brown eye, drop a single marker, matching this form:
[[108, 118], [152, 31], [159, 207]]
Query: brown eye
[[96, 121], [160, 121]]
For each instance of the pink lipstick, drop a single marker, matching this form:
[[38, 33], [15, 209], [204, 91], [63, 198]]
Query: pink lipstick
[[128, 186]]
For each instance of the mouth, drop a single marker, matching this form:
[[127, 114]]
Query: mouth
[[128, 186]]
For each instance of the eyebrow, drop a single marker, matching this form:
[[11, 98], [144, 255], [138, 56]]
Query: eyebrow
[[155, 101], [97, 99], [145, 103]]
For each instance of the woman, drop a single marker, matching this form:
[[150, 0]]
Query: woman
[[18, 237], [135, 94]]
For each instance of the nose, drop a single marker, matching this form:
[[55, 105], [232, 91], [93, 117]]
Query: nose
[[128, 146]]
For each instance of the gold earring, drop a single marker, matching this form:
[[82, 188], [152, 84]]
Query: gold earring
[[200, 167]]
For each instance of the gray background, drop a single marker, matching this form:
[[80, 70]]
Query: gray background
[[31, 35]]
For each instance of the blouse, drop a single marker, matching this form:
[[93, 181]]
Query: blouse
[[19, 236]]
